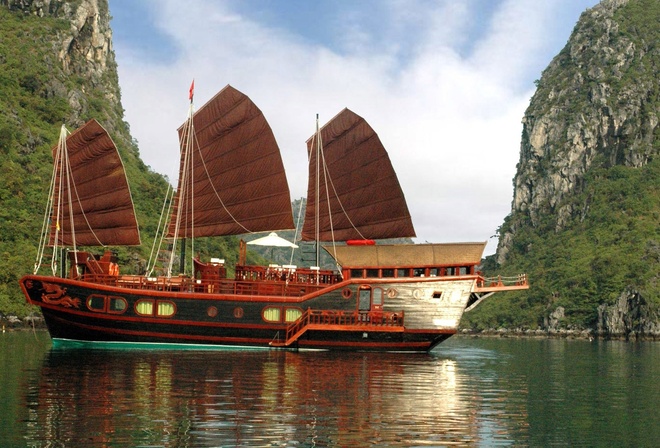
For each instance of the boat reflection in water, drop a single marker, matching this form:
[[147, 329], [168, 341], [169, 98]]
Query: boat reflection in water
[[248, 398]]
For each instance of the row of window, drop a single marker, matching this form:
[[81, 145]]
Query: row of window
[[166, 308], [276, 313], [411, 272], [118, 305], [367, 297]]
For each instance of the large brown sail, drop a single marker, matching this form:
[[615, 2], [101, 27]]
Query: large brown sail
[[236, 172], [366, 200], [95, 183]]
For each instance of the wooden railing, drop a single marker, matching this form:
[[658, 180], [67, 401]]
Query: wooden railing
[[221, 286], [340, 320], [500, 283]]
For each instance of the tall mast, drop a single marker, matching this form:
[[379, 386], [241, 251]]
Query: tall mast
[[317, 194], [185, 187]]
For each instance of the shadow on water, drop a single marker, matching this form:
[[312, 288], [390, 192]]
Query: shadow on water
[[468, 392]]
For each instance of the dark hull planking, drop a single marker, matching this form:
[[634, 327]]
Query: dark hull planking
[[204, 320]]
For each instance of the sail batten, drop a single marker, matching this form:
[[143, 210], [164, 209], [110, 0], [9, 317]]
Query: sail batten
[[91, 175], [366, 200], [237, 182]]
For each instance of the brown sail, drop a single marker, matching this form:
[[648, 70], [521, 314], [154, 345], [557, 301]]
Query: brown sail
[[366, 200], [95, 183], [235, 181]]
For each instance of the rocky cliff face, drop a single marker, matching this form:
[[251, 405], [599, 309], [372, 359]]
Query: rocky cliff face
[[586, 205], [83, 49], [57, 66], [586, 111], [630, 317]]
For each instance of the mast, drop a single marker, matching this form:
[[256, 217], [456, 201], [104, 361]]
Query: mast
[[185, 190], [317, 203]]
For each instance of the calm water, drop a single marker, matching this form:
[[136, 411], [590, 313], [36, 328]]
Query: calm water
[[468, 392]]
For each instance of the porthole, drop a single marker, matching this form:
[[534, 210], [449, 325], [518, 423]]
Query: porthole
[[144, 307], [117, 305], [272, 314], [96, 303], [238, 312], [211, 311], [165, 309], [391, 293], [292, 314], [346, 293]]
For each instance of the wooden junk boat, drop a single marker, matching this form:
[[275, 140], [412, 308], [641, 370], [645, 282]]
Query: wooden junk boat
[[389, 297]]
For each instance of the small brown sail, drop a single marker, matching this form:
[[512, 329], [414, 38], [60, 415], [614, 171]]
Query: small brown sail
[[235, 182], [96, 184], [366, 200]]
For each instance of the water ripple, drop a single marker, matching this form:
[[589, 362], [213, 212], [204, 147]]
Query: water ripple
[[468, 392]]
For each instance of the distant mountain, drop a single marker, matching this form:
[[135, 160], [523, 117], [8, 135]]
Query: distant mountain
[[585, 219]]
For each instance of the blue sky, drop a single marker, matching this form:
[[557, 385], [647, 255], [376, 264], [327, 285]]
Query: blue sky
[[444, 83]]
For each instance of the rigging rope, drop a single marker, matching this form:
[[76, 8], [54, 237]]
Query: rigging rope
[[84, 215], [183, 182], [69, 180], [48, 213], [215, 191], [160, 230], [320, 161], [295, 235]]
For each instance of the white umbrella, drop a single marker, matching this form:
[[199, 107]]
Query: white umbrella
[[272, 240]]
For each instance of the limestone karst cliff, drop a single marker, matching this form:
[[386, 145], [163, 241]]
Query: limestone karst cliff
[[80, 40], [596, 105], [585, 219], [57, 66]]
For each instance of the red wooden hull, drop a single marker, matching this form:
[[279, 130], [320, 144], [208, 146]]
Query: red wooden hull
[[83, 311]]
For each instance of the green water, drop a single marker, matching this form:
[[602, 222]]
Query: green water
[[467, 392]]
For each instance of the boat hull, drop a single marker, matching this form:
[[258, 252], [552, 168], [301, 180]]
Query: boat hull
[[85, 312]]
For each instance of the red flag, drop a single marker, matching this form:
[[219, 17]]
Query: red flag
[[192, 90]]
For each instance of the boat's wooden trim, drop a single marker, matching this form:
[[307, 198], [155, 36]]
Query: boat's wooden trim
[[499, 283]]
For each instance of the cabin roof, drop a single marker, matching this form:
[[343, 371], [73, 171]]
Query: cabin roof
[[408, 255]]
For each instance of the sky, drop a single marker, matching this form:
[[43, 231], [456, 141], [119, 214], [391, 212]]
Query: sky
[[444, 83]]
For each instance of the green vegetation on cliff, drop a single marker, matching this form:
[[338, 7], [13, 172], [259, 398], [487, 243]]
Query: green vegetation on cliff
[[37, 95], [591, 261], [586, 218]]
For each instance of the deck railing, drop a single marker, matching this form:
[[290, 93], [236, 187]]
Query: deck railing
[[222, 286], [512, 282], [340, 320]]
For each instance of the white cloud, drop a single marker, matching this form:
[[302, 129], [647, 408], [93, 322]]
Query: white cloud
[[451, 121]]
